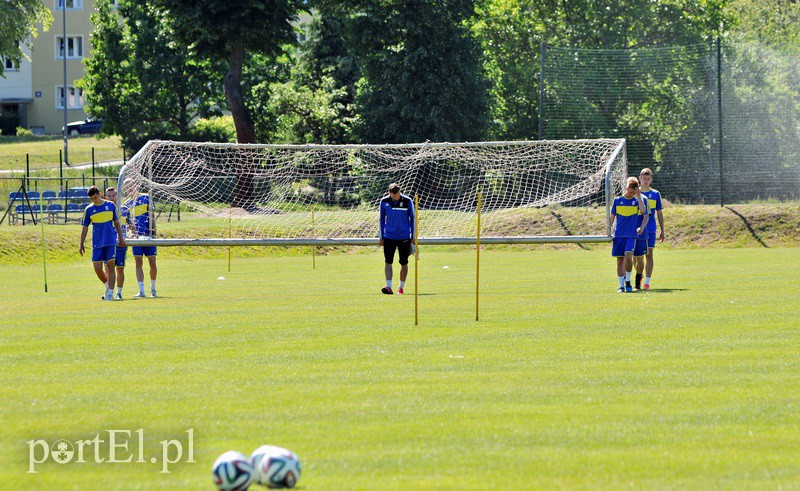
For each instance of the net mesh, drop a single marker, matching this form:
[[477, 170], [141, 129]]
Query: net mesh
[[717, 124], [532, 188]]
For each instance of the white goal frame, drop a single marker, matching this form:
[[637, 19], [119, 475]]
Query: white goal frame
[[617, 161]]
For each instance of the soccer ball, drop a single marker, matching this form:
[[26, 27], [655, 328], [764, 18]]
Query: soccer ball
[[233, 472], [275, 467]]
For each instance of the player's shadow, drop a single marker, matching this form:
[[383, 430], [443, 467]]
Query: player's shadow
[[566, 229], [747, 224], [667, 290]]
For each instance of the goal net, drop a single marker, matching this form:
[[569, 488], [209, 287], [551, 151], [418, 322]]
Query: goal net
[[233, 194]]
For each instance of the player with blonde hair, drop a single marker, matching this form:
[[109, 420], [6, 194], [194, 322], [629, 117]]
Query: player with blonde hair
[[626, 212]]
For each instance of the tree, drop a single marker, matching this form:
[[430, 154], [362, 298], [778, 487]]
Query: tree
[[312, 98], [772, 22], [140, 81], [18, 21], [227, 30], [422, 70]]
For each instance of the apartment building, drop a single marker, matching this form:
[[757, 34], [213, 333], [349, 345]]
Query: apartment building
[[34, 90]]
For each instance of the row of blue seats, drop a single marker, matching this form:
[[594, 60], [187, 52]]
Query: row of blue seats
[[49, 195], [52, 208]]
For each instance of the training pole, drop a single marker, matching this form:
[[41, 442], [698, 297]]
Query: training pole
[[313, 248], [416, 260], [44, 249], [229, 247], [478, 261]]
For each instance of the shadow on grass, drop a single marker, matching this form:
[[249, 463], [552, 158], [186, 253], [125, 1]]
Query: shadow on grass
[[747, 224], [666, 290], [566, 229]]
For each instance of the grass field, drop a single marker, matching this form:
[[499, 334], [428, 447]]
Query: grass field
[[43, 153], [561, 384]]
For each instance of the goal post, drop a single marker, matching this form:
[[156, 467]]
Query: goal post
[[325, 195]]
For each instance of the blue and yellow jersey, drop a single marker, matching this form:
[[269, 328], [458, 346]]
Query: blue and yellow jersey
[[628, 216], [101, 217], [136, 212], [653, 202]]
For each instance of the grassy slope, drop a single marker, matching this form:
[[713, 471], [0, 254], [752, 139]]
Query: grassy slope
[[756, 225], [562, 383]]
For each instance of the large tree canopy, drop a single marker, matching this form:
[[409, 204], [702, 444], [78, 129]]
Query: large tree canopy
[[225, 30], [139, 80], [423, 76], [18, 21]]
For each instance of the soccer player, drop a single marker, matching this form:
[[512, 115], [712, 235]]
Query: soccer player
[[103, 217], [396, 231], [654, 206], [624, 218], [121, 252], [140, 215]]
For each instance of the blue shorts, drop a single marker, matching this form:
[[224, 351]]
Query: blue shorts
[[144, 251], [651, 240], [103, 254], [640, 249], [622, 245], [121, 253]]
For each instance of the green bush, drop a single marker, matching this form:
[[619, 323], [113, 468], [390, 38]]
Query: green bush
[[217, 130], [23, 131]]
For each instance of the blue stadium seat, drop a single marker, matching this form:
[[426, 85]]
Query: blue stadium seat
[[75, 212], [33, 195], [55, 212], [49, 195], [62, 194]]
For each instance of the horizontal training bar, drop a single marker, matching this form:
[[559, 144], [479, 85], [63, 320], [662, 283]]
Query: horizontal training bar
[[358, 241]]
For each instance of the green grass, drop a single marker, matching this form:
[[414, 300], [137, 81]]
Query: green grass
[[561, 384], [43, 151]]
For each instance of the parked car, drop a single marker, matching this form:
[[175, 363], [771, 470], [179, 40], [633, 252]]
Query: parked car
[[85, 127]]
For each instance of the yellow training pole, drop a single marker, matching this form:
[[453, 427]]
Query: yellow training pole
[[416, 260], [478, 259], [313, 248], [44, 249]]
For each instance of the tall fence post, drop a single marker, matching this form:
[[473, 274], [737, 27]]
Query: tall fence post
[[61, 165], [541, 91], [93, 162], [719, 121], [28, 168]]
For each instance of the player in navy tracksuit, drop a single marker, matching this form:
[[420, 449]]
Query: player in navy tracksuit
[[396, 227]]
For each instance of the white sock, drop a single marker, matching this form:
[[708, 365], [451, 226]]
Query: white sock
[[647, 280], [152, 284], [402, 283], [119, 290], [389, 284], [621, 281], [141, 287], [627, 276]]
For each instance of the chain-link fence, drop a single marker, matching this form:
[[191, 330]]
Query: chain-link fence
[[718, 123]]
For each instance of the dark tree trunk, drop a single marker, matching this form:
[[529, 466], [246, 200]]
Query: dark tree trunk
[[245, 131]]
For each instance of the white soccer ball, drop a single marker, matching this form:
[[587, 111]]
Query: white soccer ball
[[275, 467], [233, 471]]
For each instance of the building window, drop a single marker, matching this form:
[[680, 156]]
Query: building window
[[9, 65], [71, 4], [74, 47], [74, 97]]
